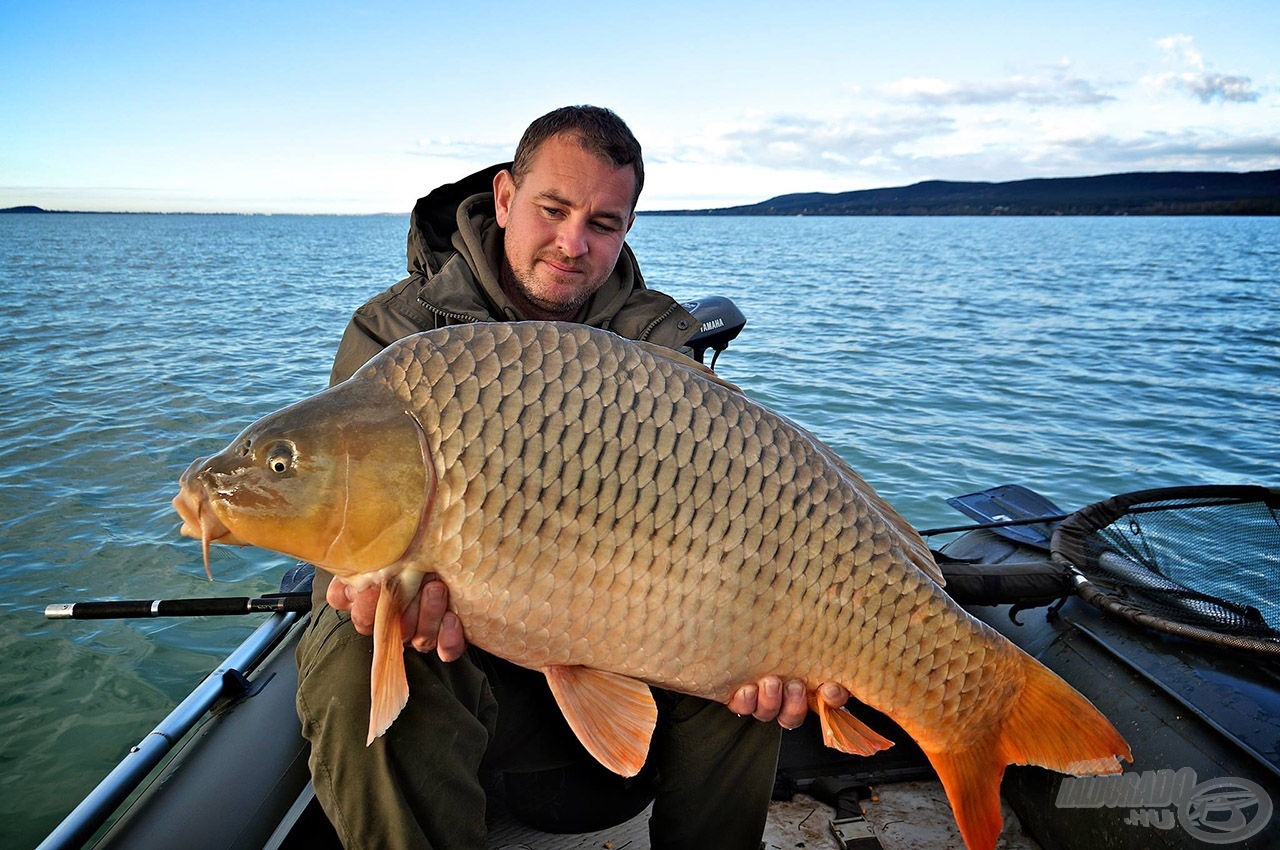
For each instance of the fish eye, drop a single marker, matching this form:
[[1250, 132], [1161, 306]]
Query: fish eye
[[280, 458]]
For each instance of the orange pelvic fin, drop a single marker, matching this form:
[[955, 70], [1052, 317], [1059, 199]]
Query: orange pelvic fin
[[388, 685], [1050, 724], [846, 733], [612, 715]]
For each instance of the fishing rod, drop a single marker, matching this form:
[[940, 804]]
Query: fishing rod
[[1059, 517], [1004, 523], [217, 606]]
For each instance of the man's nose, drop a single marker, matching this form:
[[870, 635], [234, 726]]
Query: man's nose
[[572, 238]]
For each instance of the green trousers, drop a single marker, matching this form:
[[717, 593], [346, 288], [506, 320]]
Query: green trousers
[[480, 725]]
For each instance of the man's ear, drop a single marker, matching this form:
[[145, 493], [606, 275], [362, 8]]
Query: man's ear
[[504, 191]]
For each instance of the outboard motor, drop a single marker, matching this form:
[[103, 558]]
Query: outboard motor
[[721, 322]]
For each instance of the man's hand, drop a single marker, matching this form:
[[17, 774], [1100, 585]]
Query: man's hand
[[427, 623], [769, 700]]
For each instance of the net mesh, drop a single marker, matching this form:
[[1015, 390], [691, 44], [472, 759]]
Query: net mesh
[[1203, 562]]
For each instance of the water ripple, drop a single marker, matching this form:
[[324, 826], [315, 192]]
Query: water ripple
[[1081, 357]]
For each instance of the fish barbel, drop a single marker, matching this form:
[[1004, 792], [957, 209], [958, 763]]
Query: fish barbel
[[612, 514]]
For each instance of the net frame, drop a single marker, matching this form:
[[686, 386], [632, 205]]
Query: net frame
[[1116, 549]]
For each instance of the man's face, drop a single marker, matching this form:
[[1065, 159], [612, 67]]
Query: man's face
[[565, 225]]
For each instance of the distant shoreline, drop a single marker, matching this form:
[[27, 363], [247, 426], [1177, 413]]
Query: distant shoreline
[[1156, 193], [1138, 193], [30, 209]]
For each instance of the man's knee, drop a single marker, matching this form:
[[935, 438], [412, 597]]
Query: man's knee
[[334, 664]]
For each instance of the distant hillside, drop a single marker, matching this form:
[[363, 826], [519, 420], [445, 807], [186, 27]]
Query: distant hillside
[[28, 209], [1139, 193]]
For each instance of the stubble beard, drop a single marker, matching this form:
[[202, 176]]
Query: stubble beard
[[521, 291]]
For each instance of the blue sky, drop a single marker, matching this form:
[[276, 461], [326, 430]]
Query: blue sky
[[321, 107]]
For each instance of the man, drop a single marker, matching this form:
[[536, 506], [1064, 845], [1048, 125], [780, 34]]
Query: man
[[547, 243]]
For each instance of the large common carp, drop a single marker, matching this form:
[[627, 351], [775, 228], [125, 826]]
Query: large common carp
[[610, 513]]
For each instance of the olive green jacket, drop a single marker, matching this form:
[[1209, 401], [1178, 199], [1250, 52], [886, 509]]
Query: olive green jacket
[[455, 251]]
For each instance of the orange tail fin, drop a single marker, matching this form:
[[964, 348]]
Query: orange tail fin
[[388, 685], [1049, 724]]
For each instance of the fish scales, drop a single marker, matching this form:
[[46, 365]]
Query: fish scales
[[597, 504], [767, 536]]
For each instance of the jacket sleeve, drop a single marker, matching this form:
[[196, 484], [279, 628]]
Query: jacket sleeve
[[353, 352], [392, 315]]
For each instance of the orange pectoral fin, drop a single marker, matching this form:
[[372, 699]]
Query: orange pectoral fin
[[612, 715], [846, 733], [388, 685]]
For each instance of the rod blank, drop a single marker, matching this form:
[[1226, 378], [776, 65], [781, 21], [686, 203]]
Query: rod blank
[[219, 606]]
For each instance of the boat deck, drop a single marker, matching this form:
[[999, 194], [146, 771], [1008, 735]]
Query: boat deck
[[901, 816]]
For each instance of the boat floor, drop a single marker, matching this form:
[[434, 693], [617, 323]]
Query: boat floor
[[902, 816]]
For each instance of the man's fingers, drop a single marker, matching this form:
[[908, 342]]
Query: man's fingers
[[762, 700], [743, 701], [451, 643], [795, 705], [336, 595], [432, 603], [427, 623], [769, 702], [833, 695], [364, 604]]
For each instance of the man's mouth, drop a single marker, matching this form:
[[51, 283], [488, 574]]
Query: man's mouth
[[560, 267]]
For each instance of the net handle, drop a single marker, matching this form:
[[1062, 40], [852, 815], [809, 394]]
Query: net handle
[[1100, 599]]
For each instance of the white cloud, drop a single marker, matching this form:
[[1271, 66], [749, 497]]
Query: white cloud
[[468, 150], [1192, 150], [1057, 88], [797, 142], [911, 128], [1208, 87], [1181, 49], [1052, 120], [1193, 76]]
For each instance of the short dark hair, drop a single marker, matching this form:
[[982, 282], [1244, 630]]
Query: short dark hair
[[598, 130]]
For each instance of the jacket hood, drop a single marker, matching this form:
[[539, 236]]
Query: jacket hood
[[434, 219]]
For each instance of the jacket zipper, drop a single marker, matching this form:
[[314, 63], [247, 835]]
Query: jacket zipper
[[652, 326], [461, 318]]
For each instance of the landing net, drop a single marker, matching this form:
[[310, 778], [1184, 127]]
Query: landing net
[[1200, 562]]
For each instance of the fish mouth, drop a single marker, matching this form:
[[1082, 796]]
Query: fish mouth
[[200, 520]]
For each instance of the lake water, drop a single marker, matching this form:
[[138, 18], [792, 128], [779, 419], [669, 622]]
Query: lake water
[[1083, 357]]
